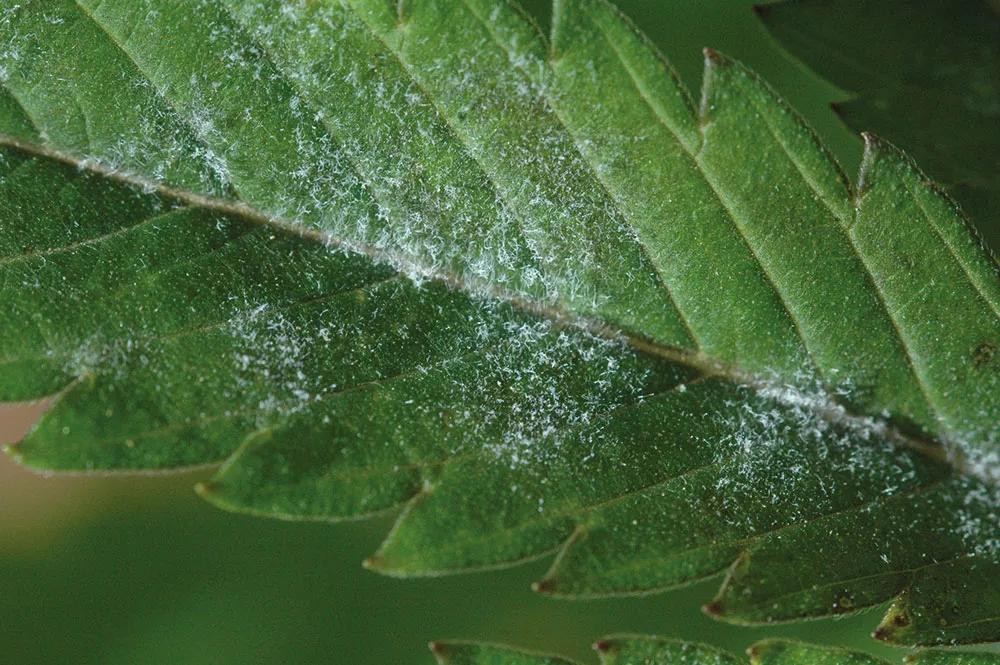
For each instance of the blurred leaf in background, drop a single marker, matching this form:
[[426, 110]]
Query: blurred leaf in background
[[925, 75]]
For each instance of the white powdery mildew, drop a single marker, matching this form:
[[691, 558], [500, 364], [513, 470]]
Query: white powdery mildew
[[10, 50], [200, 118], [978, 454], [977, 521], [270, 360], [539, 394], [796, 445], [150, 142], [557, 208], [423, 224], [436, 210], [795, 441], [159, 149], [98, 353]]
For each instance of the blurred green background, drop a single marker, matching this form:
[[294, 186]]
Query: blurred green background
[[138, 570]]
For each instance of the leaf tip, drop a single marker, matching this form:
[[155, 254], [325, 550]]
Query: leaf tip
[[713, 58], [715, 609], [874, 147], [440, 650], [881, 634], [375, 563], [218, 494], [877, 148], [761, 651], [205, 489], [23, 458]]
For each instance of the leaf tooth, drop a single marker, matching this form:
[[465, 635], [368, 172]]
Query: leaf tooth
[[715, 609]]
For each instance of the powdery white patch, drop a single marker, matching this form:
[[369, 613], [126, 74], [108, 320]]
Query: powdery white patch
[[540, 389], [200, 117], [270, 360], [977, 521], [159, 149], [98, 353], [436, 211], [794, 441], [546, 384], [795, 444], [11, 49], [978, 454], [150, 141]]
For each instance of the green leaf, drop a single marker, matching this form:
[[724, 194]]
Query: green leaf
[[930, 83], [950, 658], [390, 255], [642, 650]]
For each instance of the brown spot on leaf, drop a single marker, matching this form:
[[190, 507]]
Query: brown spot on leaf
[[715, 608]]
